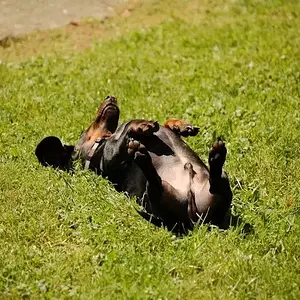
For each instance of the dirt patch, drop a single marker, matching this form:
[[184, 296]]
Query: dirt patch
[[19, 17], [80, 34]]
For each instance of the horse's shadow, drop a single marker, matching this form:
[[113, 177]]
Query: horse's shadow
[[236, 221], [179, 229]]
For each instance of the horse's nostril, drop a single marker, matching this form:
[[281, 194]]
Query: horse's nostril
[[111, 98]]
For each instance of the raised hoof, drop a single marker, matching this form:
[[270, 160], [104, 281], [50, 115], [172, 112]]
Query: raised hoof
[[144, 128], [189, 131], [135, 146], [138, 153], [182, 128], [217, 154]]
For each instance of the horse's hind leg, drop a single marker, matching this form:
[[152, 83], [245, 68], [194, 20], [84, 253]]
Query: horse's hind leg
[[219, 183]]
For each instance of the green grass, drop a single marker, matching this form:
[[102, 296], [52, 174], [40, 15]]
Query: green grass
[[230, 67]]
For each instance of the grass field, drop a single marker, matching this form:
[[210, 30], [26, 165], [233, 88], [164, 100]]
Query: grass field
[[230, 67]]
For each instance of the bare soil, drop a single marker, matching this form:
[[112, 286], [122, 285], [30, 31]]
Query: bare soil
[[19, 17]]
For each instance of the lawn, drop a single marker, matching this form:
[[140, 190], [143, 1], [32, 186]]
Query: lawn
[[230, 67]]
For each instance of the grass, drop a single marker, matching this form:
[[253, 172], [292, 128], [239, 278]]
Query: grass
[[230, 67]]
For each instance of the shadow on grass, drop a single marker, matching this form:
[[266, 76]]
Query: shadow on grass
[[180, 229], [236, 221]]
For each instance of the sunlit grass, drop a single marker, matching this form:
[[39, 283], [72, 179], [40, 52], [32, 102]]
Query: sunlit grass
[[231, 68]]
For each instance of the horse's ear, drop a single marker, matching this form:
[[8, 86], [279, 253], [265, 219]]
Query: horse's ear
[[51, 152]]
